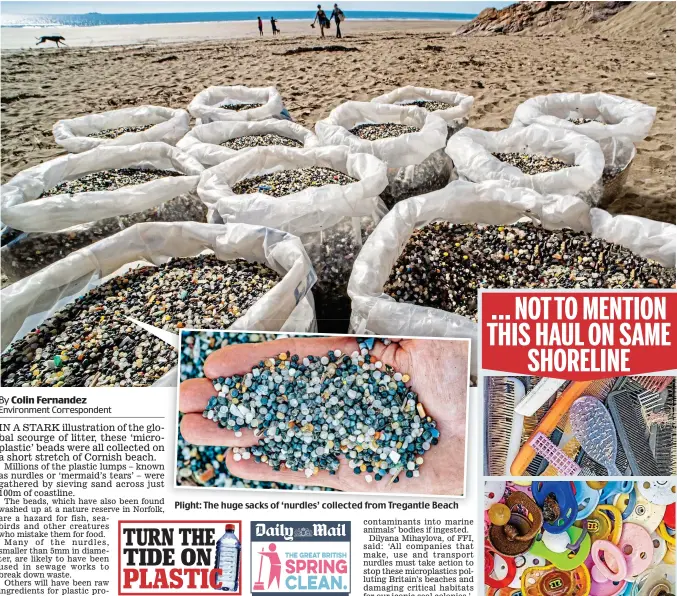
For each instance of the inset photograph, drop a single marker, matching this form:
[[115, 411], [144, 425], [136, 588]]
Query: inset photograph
[[623, 426], [561, 538], [323, 412]]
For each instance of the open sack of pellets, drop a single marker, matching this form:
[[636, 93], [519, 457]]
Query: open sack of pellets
[[549, 160], [215, 142], [128, 126], [68, 324], [237, 103], [453, 107], [420, 270], [409, 140], [75, 200], [326, 196], [616, 123]]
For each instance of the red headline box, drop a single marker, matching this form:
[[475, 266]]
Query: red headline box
[[579, 335]]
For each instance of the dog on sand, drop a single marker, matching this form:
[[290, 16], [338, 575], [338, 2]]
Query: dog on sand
[[57, 39]]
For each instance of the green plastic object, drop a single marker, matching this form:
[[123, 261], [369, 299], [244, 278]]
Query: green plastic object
[[566, 560]]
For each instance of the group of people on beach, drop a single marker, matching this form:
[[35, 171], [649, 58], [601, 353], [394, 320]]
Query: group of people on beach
[[273, 24], [320, 17]]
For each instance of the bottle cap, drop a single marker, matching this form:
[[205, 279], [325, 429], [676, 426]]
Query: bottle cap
[[230, 527]]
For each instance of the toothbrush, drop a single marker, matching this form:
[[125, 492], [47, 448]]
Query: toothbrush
[[541, 393]]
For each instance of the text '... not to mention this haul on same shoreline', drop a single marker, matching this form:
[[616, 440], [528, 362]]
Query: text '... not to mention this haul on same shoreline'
[[589, 334]]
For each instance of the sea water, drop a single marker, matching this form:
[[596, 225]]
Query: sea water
[[95, 19]]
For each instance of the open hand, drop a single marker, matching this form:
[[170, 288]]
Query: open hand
[[439, 375]]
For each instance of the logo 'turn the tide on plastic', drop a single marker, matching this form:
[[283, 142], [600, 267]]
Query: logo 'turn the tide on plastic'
[[179, 557], [308, 557]]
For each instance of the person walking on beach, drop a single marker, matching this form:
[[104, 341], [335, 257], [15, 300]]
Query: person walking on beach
[[273, 24], [321, 19], [260, 26], [338, 16]]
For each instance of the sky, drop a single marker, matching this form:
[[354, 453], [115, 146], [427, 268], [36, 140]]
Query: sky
[[130, 7]]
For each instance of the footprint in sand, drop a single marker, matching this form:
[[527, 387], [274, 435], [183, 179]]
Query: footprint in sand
[[656, 163]]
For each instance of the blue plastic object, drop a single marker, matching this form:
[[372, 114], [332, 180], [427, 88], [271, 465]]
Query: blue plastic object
[[613, 488], [586, 497], [566, 499], [632, 499], [629, 587]]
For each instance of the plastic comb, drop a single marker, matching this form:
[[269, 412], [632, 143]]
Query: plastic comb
[[652, 403], [555, 456], [665, 448], [650, 383], [503, 394], [626, 413], [515, 438], [571, 449]]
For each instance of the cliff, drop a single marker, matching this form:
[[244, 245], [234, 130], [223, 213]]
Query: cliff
[[540, 17]]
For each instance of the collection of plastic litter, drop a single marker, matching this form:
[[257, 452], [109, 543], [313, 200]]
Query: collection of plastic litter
[[550, 427], [404, 151], [556, 538]]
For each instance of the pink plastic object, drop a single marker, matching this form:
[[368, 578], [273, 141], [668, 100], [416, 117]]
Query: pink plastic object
[[656, 384], [637, 548], [613, 567], [607, 588], [604, 587], [554, 455]]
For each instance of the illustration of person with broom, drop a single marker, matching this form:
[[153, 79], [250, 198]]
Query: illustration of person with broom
[[275, 573]]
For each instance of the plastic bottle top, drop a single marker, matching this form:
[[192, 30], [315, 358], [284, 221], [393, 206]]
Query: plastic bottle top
[[230, 528]]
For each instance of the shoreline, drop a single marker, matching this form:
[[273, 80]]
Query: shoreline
[[24, 38], [352, 20], [42, 86]]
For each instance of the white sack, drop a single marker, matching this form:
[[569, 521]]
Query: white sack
[[302, 318], [456, 116], [169, 126], [331, 220], [620, 117], [55, 286], [23, 210], [416, 161], [491, 203], [618, 124], [471, 151], [215, 186], [647, 238], [204, 141], [205, 105]]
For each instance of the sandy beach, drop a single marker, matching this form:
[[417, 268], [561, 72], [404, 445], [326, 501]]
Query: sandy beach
[[40, 86], [18, 38]]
